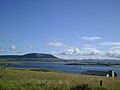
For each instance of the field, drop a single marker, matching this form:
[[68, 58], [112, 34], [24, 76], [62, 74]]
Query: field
[[38, 79]]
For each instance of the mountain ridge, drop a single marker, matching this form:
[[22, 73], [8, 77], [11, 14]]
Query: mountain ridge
[[29, 55]]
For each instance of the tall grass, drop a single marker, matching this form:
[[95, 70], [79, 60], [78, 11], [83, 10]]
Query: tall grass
[[38, 79]]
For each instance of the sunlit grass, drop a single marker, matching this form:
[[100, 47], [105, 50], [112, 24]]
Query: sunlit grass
[[38, 79]]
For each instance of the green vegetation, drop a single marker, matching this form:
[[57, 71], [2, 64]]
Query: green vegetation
[[38, 79], [94, 63], [4, 63]]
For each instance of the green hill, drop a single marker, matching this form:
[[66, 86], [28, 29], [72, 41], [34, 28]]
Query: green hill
[[31, 57], [38, 55]]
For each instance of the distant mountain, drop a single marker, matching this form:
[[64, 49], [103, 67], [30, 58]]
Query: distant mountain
[[95, 60], [38, 55], [29, 55], [100, 60], [41, 57]]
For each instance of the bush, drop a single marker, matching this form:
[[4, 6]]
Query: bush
[[101, 88], [82, 87]]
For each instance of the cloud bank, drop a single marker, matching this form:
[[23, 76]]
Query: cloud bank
[[12, 48], [2, 49], [7, 49], [76, 51], [91, 52]]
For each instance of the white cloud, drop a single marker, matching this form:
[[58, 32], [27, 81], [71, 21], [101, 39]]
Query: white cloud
[[6, 49], [2, 49], [53, 52], [91, 53], [31, 47], [55, 43], [88, 45], [110, 43], [91, 38], [85, 51], [115, 48], [12, 48], [114, 53], [71, 51]]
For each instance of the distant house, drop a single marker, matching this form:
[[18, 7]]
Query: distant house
[[109, 73]]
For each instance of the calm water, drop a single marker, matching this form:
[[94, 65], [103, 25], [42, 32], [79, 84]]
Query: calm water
[[77, 69]]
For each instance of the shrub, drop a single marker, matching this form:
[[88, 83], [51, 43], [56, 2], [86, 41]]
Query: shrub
[[101, 88], [82, 87]]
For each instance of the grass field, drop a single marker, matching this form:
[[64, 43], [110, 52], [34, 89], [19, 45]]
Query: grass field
[[38, 79]]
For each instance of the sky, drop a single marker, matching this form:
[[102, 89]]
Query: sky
[[71, 29]]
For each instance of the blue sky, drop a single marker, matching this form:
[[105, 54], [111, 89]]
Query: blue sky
[[66, 28]]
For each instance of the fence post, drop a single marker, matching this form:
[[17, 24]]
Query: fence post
[[100, 82]]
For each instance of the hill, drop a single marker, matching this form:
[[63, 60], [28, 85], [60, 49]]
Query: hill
[[30, 57], [38, 55]]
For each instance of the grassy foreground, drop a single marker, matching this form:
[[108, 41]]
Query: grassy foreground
[[38, 79]]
